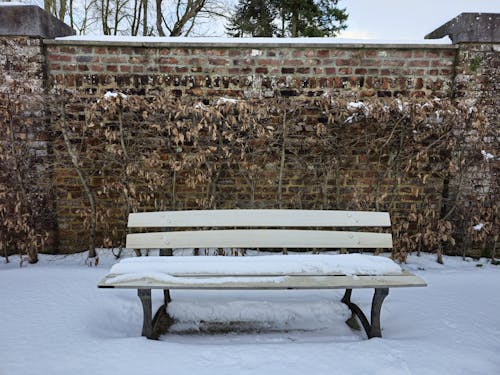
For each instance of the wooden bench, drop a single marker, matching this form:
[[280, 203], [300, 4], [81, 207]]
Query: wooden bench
[[324, 271]]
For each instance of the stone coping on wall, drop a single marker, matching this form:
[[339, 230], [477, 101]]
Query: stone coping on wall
[[30, 20], [214, 42]]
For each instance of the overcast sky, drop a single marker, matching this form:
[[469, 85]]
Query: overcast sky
[[386, 19], [406, 19]]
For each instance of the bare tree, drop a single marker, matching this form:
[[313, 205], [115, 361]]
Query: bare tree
[[133, 17]]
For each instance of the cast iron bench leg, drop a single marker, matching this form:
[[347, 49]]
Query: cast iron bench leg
[[153, 327], [372, 328], [147, 323]]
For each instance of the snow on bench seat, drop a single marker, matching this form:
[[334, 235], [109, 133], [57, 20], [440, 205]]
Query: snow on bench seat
[[304, 264], [258, 272]]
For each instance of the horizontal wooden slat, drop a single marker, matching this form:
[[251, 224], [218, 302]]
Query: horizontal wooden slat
[[259, 218], [405, 279], [258, 238]]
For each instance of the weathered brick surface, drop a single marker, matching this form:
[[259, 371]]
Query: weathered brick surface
[[21, 66], [23, 81], [254, 72], [477, 81]]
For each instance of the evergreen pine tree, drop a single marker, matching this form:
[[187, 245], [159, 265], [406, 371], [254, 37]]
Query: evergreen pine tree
[[253, 18], [310, 18], [295, 18]]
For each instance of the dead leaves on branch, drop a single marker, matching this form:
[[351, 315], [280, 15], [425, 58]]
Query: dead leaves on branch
[[396, 155]]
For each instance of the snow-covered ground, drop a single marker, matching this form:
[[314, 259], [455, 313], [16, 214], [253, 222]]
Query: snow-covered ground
[[54, 320]]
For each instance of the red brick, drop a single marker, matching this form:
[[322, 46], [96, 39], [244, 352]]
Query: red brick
[[126, 51], [394, 62], [218, 61], [97, 68], [323, 53], [449, 53], [60, 58], [168, 60], [347, 62], [216, 52], [370, 62], [292, 62], [69, 67], [337, 53], [439, 63], [266, 62], [432, 54], [419, 63]]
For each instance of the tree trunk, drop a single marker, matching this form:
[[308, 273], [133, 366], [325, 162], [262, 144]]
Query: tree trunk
[[295, 25], [159, 18], [83, 180], [282, 163], [145, 18]]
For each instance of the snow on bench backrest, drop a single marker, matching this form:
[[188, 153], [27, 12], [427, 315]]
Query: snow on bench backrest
[[259, 238]]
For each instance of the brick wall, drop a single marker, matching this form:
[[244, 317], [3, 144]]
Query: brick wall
[[298, 72], [259, 70]]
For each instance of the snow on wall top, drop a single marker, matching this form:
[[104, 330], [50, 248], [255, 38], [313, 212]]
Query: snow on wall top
[[236, 42]]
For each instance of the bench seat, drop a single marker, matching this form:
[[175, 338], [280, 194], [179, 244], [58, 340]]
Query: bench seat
[[259, 272]]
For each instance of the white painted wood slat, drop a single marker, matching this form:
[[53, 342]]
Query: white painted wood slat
[[405, 279], [258, 238], [259, 218]]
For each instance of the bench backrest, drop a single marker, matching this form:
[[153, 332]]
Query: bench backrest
[[258, 237]]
